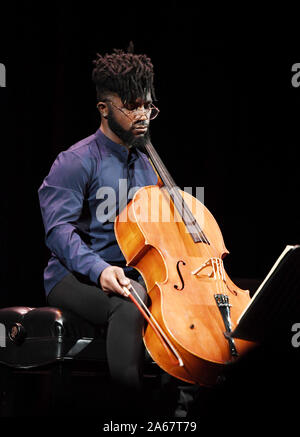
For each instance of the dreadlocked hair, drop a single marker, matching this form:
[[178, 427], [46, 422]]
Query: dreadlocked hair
[[128, 74]]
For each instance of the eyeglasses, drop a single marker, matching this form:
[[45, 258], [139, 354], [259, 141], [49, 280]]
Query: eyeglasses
[[148, 108]]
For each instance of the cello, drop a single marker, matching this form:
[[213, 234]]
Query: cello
[[176, 245]]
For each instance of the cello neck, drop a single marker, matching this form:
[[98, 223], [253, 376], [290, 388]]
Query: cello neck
[[159, 166], [181, 206]]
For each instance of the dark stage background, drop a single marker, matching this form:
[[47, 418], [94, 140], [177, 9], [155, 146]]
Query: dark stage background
[[229, 121]]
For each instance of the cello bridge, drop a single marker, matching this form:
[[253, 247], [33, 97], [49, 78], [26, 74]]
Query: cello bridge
[[217, 268], [217, 272]]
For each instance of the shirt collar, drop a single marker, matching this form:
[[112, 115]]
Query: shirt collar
[[115, 148]]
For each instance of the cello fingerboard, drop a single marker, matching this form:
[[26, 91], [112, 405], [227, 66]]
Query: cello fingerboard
[[184, 211], [198, 237], [188, 218]]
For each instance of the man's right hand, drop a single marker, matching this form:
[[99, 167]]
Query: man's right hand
[[112, 279]]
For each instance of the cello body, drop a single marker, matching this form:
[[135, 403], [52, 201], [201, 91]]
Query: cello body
[[184, 281]]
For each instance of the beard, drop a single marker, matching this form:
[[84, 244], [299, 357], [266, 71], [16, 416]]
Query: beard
[[128, 138]]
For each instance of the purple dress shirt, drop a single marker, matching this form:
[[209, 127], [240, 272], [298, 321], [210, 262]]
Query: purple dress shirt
[[88, 184]]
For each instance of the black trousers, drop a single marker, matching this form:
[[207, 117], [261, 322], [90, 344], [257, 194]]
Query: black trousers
[[125, 349]]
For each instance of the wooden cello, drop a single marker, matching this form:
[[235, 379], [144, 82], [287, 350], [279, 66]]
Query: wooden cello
[[175, 243]]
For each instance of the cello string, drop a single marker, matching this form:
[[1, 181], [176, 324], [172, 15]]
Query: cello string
[[170, 183], [217, 262], [222, 276]]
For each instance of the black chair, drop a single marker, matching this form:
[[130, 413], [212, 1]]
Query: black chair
[[56, 346], [46, 341]]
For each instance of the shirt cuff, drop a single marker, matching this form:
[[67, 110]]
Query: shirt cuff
[[96, 271]]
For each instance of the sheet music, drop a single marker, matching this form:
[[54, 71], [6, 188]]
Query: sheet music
[[286, 250]]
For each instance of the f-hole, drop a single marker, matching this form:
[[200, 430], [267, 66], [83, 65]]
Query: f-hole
[[180, 276]]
